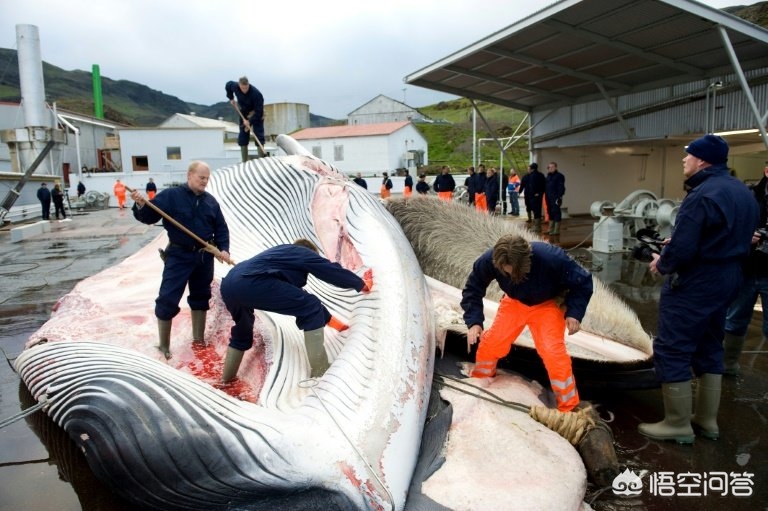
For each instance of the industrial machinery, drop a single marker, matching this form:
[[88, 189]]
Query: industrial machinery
[[619, 223]]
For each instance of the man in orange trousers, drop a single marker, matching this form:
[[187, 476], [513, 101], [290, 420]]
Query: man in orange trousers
[[545, 290]]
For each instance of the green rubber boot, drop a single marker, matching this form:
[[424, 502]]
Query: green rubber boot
[[231, 364], [677, 415], [704, 420], [244, 152], [554, 228], [198, 326], [537, 225], [164, 332], [318, 358], [732, 346]]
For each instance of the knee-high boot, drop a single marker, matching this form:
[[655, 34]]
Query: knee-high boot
[[676, 424], [704, 421], [198, 326], [231, 364], [244, 152], [164, 332], [318, 358], [732, 346], [537, 225]]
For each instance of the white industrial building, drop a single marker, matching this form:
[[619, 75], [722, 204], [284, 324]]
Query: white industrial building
[[367, 148], [383, 109]]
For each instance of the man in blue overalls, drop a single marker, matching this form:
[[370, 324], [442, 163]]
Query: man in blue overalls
[[702, 261], [186, 262]]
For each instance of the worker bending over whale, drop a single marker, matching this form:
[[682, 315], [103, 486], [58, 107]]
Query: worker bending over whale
[[545, 290], [272, 281]]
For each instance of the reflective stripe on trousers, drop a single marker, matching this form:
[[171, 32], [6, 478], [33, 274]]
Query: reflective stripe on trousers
[[546, 322]]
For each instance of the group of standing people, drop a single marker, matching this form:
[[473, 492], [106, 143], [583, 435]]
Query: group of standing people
[[46, 196], [539, 190]]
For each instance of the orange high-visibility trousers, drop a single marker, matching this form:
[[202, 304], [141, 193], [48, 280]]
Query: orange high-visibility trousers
[[445, 196], [546, 322], [481, 204], [407, 191], [385, 192]]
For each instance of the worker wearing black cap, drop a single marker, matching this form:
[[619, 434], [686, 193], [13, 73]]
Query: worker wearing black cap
[[702, 261]]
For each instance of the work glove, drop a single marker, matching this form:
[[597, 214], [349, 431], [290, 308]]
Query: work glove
[[367, 282], [337, 324]]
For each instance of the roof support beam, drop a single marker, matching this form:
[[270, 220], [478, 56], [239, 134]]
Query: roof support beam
[[490, 130], [507, 83], [558, 68], [612, 103], [679, 66], [759, 118]]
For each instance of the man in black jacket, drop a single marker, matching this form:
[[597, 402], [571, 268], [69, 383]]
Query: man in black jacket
[[249, 101], [44, 196], [534, 185]]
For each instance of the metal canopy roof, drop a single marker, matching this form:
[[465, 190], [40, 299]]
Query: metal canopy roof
[[566, 53]]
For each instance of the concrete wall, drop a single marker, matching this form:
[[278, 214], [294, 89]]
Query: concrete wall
[[610, 173]]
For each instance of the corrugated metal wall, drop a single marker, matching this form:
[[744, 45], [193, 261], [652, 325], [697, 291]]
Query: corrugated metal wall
[[660, 113]]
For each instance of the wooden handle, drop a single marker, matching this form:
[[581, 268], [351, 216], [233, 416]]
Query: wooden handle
[[205, 245]]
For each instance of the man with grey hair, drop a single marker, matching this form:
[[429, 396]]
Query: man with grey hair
[[249, 101], [186, 262]]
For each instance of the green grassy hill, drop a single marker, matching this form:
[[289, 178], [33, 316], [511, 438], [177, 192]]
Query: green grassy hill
[[451, 143]]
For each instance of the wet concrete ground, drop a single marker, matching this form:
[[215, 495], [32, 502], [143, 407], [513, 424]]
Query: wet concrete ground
[[40, 469]]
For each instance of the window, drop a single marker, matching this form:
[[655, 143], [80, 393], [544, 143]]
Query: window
[[317, 151], [338, 153], [140, 162], [173, 153]]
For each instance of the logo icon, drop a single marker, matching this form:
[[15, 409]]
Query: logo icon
[[627, 483]]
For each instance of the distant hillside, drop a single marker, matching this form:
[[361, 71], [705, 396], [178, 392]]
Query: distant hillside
[[125, 102]]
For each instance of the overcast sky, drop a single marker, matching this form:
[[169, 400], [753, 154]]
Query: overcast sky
[[333, 55]]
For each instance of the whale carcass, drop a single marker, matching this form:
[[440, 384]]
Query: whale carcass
[[166, 435]]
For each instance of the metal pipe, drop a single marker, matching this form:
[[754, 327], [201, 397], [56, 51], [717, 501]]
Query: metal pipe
[[31, 76]]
